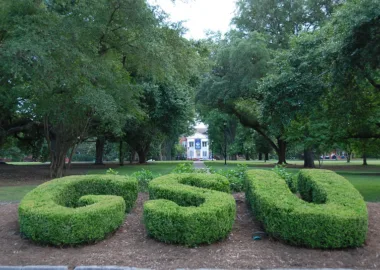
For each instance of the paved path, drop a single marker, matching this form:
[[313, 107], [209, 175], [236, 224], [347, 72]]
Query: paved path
[[41, 267], [199, 165]]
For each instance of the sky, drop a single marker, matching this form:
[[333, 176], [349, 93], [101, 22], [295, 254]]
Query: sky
[[199, 15]]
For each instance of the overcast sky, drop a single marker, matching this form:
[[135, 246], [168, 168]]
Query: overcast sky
[[200, 15]]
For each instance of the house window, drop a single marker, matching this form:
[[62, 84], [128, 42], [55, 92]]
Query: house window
[[204, 144], [191, 144], [205, 154]]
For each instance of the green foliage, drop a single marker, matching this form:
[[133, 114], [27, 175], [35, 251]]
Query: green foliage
[[333, 214], [184, 168], [280, 20], [290, 179], [112, 172], [76, 209], [143, 178], [189, 209], [236, 177]]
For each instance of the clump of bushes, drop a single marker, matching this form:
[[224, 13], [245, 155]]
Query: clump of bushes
[[332, 213], [184, 168], [189, 209], [236, 177], [143, 178], [76, 209]]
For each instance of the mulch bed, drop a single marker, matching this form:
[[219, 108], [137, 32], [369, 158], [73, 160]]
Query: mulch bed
[[130, 246]]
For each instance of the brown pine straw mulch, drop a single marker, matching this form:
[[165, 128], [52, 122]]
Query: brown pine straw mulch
[[130, 246]]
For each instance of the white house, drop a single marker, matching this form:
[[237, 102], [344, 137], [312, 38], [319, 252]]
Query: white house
[[197, 145]]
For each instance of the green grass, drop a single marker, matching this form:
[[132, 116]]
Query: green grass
[[324, 163], [366, 182], [26, 163], [158, 167], [14, 193]]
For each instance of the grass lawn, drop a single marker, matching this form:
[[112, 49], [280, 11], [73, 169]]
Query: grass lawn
[[25, 163], [324, 163], [14, 193], [161, 167], [367, 182]]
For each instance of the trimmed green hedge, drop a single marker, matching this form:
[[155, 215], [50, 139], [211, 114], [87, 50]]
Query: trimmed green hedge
[[76, 209], [333, 214], [189, 209]]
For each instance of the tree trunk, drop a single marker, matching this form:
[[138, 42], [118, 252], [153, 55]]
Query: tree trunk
[[160, 154], [121, 154], [260, 156], [266, 156], [100, 141], [71, 155], [58, 153], [142, 156], [281, 151], [365, 159], [349, 157], [246, 156], [132, 157], [308, 156]]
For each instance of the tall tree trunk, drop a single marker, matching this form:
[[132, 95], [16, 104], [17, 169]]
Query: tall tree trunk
[[365, 159], [58, 151], [281, 151], [100, 142], [132, 157], [71, 155], [260, 156], [308, 157], [246, 156], [121, 154], [349, 157], [266, 156], [142, 156]]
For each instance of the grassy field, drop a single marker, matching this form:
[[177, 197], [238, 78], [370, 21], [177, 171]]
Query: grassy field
[[157, 168], [365, 180], [324, 163], [14, 193]]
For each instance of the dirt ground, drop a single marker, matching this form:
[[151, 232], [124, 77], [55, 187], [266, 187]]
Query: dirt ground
[[130, 246]]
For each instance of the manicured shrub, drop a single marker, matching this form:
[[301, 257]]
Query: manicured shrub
[[290, 179], [333, 214], [189, 209], [76, 209]]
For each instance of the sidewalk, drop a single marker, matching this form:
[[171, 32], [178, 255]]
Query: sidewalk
[[199, 165]]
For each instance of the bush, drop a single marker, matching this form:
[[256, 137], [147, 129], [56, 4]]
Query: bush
[[143, 178], [184, 168], [76, 209], [189, 209], [290, 179], [333, 214], [236, 177]]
